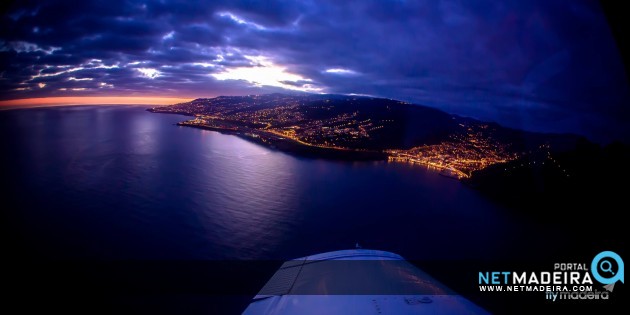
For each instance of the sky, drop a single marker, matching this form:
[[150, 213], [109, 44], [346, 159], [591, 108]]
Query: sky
[[549, 66]]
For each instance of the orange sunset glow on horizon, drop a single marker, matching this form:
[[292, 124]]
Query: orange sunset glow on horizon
[[87, 100]]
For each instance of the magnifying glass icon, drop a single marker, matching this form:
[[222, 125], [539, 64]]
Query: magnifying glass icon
[[607, 267]]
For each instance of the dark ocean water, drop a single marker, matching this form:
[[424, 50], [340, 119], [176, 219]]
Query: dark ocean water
[[122, 183]]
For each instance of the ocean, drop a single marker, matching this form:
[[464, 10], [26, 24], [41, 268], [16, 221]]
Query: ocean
[[118, 183]]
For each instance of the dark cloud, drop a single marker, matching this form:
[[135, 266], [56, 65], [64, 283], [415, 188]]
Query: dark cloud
[[538, 65]]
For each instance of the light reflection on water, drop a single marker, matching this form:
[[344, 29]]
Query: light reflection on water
[[255, 193], [120, 182]]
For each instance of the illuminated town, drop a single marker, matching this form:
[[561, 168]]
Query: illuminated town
[[474, 149], [342, 124]]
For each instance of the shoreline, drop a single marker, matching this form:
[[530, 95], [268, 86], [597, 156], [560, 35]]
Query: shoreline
[[280, 143], [275, 142]]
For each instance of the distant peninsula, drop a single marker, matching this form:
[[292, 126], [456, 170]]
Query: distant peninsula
[[353, 127], [518, 168]]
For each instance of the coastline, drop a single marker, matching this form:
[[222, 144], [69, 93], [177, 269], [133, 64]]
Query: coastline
[[276, 142]]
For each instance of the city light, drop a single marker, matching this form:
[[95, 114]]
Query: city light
[[284, 118]]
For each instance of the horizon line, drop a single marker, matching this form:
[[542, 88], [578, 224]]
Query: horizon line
[[90, 100]]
